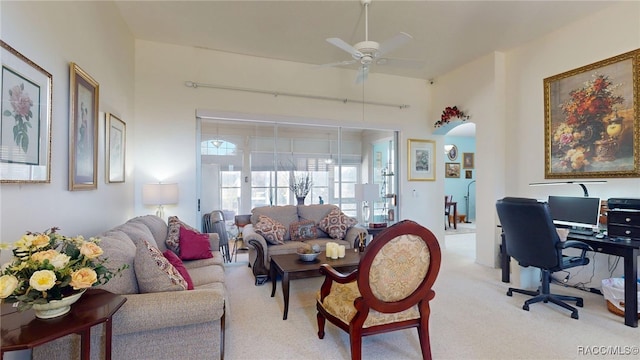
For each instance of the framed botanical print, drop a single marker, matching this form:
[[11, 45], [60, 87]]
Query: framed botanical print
[[83, 127], [591, 120], [25, 121], [452, 170], [421, 160], [115, 148]]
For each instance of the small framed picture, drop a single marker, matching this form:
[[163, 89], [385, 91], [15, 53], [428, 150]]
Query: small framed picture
[[452, 170], [83, 130], [468, 174], [467, 161], [421, 160], [452, 152], [115, 148]]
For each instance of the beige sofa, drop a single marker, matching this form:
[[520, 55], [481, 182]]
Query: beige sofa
[[183, 324], [260, 250]]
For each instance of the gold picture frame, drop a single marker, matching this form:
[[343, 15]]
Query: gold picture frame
[[451, 170], [591, 120], [115, 146], [25, 120], [468, 161], [83, 130], [421, 160]]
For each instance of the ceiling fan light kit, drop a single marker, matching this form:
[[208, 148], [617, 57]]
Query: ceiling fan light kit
[[370, 52]]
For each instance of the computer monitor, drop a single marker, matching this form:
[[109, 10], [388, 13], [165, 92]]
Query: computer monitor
[[579, 214]]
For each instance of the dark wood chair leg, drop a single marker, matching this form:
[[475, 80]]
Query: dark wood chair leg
[[355, 337], [425, 344], [224, 312], [321, 322]]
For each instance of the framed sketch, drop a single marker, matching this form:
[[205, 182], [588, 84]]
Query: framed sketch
[[591, 120], [468, 174], [421, 160], [115, 148], [467, 161], [452, 170], [83, 128], [452, 152], [25, 123]]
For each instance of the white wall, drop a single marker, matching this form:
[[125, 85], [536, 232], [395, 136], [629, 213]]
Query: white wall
[[93, 35], [166, 126]]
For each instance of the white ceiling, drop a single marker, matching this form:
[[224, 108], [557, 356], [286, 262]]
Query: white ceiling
[[446, 34]]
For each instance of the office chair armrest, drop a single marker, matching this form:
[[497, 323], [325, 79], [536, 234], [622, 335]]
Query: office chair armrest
[[576, 245]]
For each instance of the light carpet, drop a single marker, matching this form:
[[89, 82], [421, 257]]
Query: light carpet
[[471, 318]]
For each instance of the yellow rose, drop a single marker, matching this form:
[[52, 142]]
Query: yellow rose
[[83, 278], [24, 243], [41, 256], [40, 241], [8, 283], [90, 250], [42, 280]]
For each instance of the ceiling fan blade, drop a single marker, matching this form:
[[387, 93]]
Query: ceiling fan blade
[[407, 63], [337, 63], [395, 42], [363, 72], [344, 46]]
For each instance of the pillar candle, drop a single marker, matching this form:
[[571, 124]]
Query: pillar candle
[[341, 251]]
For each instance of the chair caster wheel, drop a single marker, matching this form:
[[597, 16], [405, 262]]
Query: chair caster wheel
[[579, 303], [574, 315], [509, 293], [525, 307]]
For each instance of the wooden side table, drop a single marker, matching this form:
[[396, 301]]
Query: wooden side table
[[22, 330]]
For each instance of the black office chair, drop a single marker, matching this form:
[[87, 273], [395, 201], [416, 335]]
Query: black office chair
[[532, 239]]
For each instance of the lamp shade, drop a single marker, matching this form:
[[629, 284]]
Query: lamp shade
[[159, 194], [367, 192]]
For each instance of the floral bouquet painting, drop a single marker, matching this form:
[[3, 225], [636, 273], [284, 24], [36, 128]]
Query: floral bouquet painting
[[591, 121], [48, 266]]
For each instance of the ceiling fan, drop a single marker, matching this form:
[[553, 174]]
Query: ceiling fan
[[370, 52]]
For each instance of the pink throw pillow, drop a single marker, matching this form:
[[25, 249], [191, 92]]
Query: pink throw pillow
[[177, 263], [194, 245]]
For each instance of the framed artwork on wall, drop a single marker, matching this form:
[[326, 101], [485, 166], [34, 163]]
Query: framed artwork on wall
[[452, 170], [421, 160], [468, 160], [115, 142], [468, 174], [591, 120], [452, 152], [83, 130], [25, 123]]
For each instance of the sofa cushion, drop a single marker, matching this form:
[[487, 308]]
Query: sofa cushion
[[177, 263], [173, 233], [303, 230], [137, 232], [157, 227], [316, 212], [118, 250], [270, 229], [154, 272], [286, 215], [336, 223], [194, 245]]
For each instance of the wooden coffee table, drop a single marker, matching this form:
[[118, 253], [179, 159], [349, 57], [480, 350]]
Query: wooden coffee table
[[291, 267]]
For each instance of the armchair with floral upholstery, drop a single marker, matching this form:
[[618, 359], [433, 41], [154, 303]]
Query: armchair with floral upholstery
[[390, 290]]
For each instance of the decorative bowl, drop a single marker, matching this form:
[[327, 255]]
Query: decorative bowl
[[308, 257]]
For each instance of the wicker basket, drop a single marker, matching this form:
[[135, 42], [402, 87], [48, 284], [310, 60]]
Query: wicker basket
[[615, 310]]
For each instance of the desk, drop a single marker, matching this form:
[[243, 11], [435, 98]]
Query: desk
[[22, 330], [628, 250]]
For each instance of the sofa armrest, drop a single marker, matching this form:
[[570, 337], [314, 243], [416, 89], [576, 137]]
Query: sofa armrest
[[152, 311], [249, 233], [352, 235], [214, 240], [257, 242]]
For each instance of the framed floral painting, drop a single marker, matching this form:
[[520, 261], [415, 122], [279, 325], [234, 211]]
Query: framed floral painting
[[421, 160], [591, 120], [25, 123], [83, 130], [115, 148]]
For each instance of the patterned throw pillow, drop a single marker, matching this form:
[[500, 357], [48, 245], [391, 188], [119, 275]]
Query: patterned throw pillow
[[303, 230], [336, 224], [177, 263], [173, 233], [154, 272], [271, 230]]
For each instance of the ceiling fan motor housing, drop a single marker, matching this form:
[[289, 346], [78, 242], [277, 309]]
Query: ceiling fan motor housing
[[367, 49]]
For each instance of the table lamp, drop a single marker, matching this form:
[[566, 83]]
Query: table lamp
[[160, 194]]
